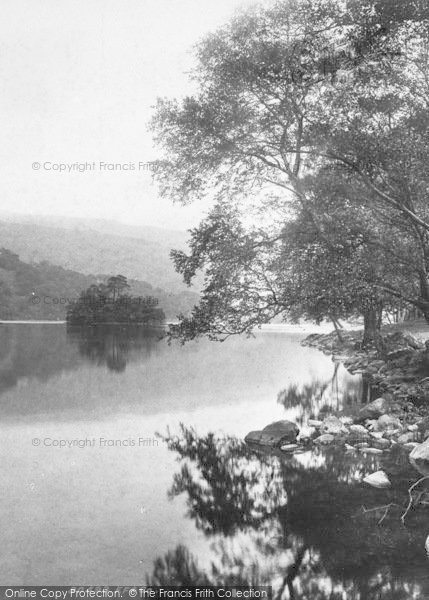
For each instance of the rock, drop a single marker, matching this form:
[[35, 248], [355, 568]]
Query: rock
[[371, 451], [361, 445], [314, 423], [374, 409], [350, 448], [289, 447], [381, 444], [406, 437], [378, 480], [386, 422], [326, 438], [377, 435], [423, 424], [306, 434], [400, 353], [391, 433], [412, 427], [412, 341], [421, 452], [410, 446], [347, 421], [359, 429], [333, 426], [274, 435]]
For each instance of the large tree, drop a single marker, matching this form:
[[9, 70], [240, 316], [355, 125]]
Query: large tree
[[290, 97]]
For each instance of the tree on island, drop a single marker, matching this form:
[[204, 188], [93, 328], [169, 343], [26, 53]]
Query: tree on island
[[309, 131], [107, 303]]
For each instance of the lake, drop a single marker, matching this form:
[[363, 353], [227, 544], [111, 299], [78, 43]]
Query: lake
[[93, 495]]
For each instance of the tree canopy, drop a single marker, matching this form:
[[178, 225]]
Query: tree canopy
[[309, 133]]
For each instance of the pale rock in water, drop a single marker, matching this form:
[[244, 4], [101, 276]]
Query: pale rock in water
[[371, 451], [314, 423], [289, 447], [378, 480], [326, 438], [333, 426], [360, 429]]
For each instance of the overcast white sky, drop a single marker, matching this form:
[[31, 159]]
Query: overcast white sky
[[78, 79]]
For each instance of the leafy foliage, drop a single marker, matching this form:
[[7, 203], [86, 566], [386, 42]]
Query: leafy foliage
[[309, 130], [107, 303]]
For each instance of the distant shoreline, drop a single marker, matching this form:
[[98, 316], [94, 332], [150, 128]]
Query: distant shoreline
[[29, 322]]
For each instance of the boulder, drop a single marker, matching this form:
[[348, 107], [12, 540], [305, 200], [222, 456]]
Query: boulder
[[359, 429], [386, 422], [406, 437], [421, 452], [378, 480], [333, 426], [274, 435], [423, 424], [326, 438], [306, 434], [381, 444], [374, 409], [410, 446], [413, 342], [314, 423]]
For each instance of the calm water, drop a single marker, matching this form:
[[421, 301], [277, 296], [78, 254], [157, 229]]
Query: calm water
[[91, 495]]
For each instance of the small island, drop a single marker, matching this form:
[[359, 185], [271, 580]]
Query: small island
[[109, 303]]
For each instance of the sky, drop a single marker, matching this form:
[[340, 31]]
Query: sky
[[79, 80]]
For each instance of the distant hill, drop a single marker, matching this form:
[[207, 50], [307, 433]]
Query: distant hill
[[43, 291], [96, 246]]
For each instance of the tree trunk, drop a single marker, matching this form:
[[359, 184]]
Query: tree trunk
[[372, 325], [424, 295]]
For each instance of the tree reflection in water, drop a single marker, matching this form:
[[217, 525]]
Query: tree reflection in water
[[298, 523], [313, 400], [114, 345]]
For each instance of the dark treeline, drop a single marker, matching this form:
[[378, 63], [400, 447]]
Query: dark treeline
[[110, 303], [44, 291], [310, 132]]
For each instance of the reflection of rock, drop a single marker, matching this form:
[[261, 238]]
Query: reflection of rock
[[374, 409], [377, 480], [274, 435]]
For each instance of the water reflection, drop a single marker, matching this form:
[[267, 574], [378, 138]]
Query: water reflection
[[114, 345], [305, 524], [318, 398]]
